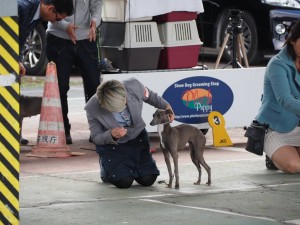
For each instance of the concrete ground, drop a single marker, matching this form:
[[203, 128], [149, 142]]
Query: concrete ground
[[62, 191]]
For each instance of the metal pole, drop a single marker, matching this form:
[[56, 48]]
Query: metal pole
[[9, 113]]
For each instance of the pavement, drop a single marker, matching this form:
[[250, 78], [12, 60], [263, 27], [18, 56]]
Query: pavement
[[69, 191]]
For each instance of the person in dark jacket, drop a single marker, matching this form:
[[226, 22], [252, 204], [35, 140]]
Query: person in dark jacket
[[32, 12]]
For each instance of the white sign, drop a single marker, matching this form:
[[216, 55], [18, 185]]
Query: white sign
[[193, 94]]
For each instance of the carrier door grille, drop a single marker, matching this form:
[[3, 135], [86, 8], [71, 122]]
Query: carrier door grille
[[183, 32], [143, 33]]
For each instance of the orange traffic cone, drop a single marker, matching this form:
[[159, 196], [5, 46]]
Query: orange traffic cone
[[51, 140]]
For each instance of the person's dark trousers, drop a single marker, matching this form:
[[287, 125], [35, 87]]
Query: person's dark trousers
[[84, 55]]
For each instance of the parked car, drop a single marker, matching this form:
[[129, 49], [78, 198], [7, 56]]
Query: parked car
[[35, 59], [255, 25], [281, 22]]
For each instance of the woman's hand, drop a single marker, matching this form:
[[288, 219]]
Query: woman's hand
[[118, 132], [172, 115]]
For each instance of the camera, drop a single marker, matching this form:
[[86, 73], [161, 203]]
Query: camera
[[235, 15]]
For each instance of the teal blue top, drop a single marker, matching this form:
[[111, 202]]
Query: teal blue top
[[280, 103]]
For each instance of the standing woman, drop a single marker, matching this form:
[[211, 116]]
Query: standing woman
[[117, 128], [281, 106]]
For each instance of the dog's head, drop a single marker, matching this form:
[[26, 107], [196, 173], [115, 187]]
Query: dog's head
[[161, 116]]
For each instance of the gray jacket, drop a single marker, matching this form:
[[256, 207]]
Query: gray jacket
[[102, 121], [85, 11]]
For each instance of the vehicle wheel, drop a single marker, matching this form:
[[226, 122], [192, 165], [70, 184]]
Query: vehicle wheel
[[249, 31], [35, 60]]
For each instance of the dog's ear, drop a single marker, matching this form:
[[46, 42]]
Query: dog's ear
[[168, 111]]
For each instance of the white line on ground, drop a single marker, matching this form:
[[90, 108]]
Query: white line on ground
[[208, 209], [93, 171], [237, 149], [97, 200], [59, 174], [186, 191], [249, 187], [219, 161], [296, 222]]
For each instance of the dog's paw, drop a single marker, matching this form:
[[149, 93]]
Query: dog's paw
[[197, 183], [208, 183]]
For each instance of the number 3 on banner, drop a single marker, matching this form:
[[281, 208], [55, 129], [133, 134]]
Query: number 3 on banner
[[220, 135]]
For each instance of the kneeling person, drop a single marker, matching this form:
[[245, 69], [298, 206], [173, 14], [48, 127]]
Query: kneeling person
[[117, 128]]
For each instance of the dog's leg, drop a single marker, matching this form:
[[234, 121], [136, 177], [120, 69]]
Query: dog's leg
[[167, 160], [207, 168], [196, 162], [201, 160], [174, 154]]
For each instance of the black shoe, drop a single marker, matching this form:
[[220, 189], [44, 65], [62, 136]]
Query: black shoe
[[68, 139], [269, 164], [24, 141], [90, 140], [103, 173], [105, 180]]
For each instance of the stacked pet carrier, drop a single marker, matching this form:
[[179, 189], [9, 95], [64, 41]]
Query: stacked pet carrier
[[130, 45], [167, 41], [179, 35]]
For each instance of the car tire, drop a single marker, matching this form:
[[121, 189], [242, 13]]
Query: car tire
[[35, 59], [249, 32]]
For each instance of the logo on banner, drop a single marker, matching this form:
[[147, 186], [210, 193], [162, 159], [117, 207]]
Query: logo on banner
[[193, 98]]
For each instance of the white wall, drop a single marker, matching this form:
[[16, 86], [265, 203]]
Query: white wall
[[246, 85], [8, 8]]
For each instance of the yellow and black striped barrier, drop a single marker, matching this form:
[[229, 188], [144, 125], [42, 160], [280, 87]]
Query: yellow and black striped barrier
[[9, 120]]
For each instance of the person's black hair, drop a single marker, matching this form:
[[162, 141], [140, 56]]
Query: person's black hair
[[61, 6], [293, 35]]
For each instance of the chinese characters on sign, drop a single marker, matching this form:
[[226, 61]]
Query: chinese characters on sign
[[47, 139]]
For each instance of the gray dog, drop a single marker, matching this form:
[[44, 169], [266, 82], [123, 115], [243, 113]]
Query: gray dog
[[174, 138], [29, 106]]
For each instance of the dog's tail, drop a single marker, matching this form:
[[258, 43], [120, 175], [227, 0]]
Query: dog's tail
[[162, 182]]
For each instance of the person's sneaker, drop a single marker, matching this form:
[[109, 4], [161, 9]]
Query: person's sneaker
[[269, 164], [24, 141], [68, 139], [106, 66]]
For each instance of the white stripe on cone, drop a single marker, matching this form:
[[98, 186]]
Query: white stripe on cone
[[50, 125], [51, 78], [51, 102]]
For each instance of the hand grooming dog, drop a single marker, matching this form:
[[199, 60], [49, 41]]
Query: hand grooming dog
[[174, 138], [29, 106]]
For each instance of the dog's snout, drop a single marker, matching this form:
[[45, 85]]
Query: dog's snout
[[152, 122]]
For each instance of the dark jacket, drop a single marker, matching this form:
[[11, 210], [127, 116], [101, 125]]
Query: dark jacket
[[26, 12]]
